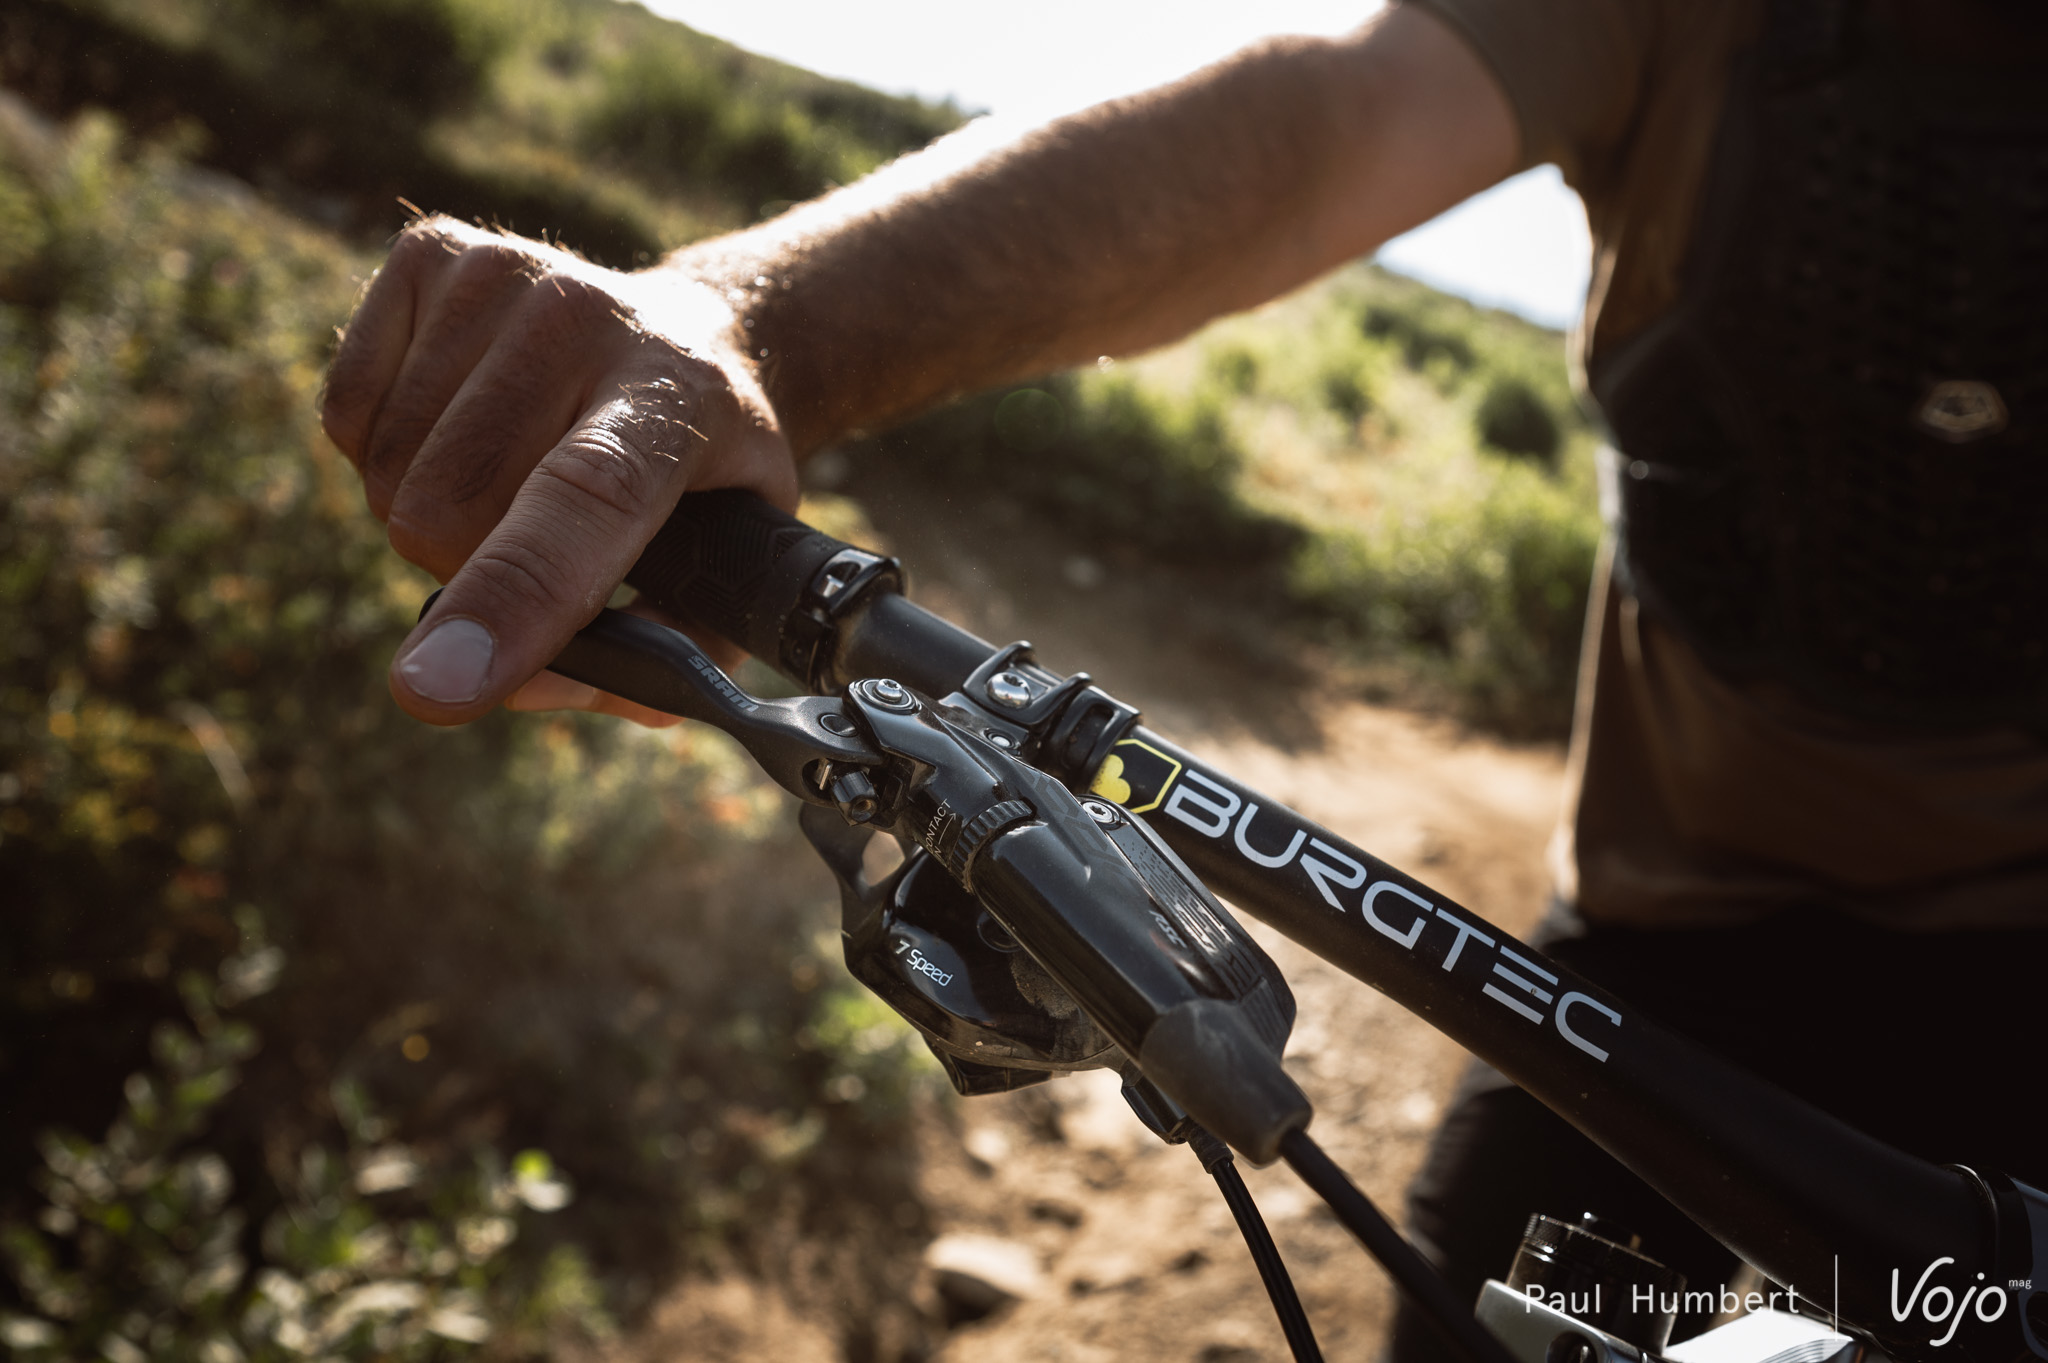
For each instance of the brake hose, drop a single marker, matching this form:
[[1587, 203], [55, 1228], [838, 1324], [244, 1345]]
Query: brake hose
[[1423, 1284], [1216, 1158]]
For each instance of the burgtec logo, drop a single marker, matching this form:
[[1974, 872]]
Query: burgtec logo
[[1940, 1306]]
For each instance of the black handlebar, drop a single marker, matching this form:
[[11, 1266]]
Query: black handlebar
[[1791, 1190]]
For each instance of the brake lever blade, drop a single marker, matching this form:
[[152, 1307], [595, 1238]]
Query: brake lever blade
[[665, 670]]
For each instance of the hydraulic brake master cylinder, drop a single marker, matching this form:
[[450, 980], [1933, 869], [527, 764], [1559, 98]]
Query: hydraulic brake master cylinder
[[1065, 935], [1032, 931]]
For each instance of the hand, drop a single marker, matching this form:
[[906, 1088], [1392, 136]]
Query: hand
[[524, 421]]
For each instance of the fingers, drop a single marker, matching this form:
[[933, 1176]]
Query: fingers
[[380, 335], [444, 300], [573, 528], [513, 408]]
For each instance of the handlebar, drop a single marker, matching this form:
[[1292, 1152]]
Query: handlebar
[[1790, 1189]]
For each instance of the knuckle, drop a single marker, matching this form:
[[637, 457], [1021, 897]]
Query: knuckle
[[432, 236], [601, 464], [566, 311], [525, 580]]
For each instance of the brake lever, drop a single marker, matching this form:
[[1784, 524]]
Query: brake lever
[[806, 744]]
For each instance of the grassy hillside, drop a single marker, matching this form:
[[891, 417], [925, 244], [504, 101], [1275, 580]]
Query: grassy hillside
[[1403, 475], [591, 120]]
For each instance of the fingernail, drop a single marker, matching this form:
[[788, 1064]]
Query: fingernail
[[450, 664]]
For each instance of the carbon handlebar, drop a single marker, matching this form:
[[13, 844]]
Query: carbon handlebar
[[1805, 1198]]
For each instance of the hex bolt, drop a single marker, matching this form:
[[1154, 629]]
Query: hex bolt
[[1106, 815], [891, 694], [1009, 690]]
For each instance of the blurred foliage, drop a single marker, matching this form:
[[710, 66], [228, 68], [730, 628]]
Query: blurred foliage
[[1514, 419], [504, 933], [1118, 460], [1405, 475], [589, 120], [139, 1249]]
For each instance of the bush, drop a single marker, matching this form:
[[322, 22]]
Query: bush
[[139, 1249], [1514, 420]]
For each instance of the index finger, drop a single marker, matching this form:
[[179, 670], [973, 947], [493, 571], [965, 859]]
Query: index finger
[[576, 525]]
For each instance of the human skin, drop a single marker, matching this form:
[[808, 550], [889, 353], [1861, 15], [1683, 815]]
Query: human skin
[[524, 420]]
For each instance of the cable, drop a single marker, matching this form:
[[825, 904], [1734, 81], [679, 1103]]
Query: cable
[[1215, 1157], [1423, 1284]]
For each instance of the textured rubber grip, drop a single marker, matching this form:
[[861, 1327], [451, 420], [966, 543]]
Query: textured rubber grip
[[730, 561]]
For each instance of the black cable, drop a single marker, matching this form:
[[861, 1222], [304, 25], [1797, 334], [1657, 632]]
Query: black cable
[[1215, 1157], [1423, 1284]]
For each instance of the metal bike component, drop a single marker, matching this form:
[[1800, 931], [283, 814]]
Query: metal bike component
[[1009, 690], [1106, 815], [887, 694], [1109, 912], [990, 1013]]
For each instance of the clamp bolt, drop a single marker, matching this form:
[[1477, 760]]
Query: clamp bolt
[[1009, 690]]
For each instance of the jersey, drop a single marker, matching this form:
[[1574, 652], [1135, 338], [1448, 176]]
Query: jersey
[[1699, 796]]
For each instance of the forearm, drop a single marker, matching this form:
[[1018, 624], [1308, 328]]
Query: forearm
[[1106, 232]]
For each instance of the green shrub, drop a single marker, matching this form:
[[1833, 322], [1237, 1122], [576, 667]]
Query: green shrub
[[1513, 419], [1426, 335], [373, 1250]]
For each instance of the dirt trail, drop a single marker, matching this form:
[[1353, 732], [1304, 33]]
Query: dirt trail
[[1114, 1245]]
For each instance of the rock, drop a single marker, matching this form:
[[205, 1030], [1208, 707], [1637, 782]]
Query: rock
[[977, 1274]]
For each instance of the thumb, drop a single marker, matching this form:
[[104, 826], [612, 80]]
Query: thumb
[[573, 529]]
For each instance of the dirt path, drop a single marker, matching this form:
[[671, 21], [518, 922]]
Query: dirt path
[[1111, 1244]]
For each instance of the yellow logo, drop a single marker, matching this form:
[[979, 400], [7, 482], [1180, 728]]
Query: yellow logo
[[1136, 776], [1109, 781]]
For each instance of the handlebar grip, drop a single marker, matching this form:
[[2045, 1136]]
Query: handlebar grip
[[731, 561]]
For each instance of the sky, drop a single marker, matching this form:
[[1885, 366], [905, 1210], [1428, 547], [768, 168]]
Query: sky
[[1522, 245]]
